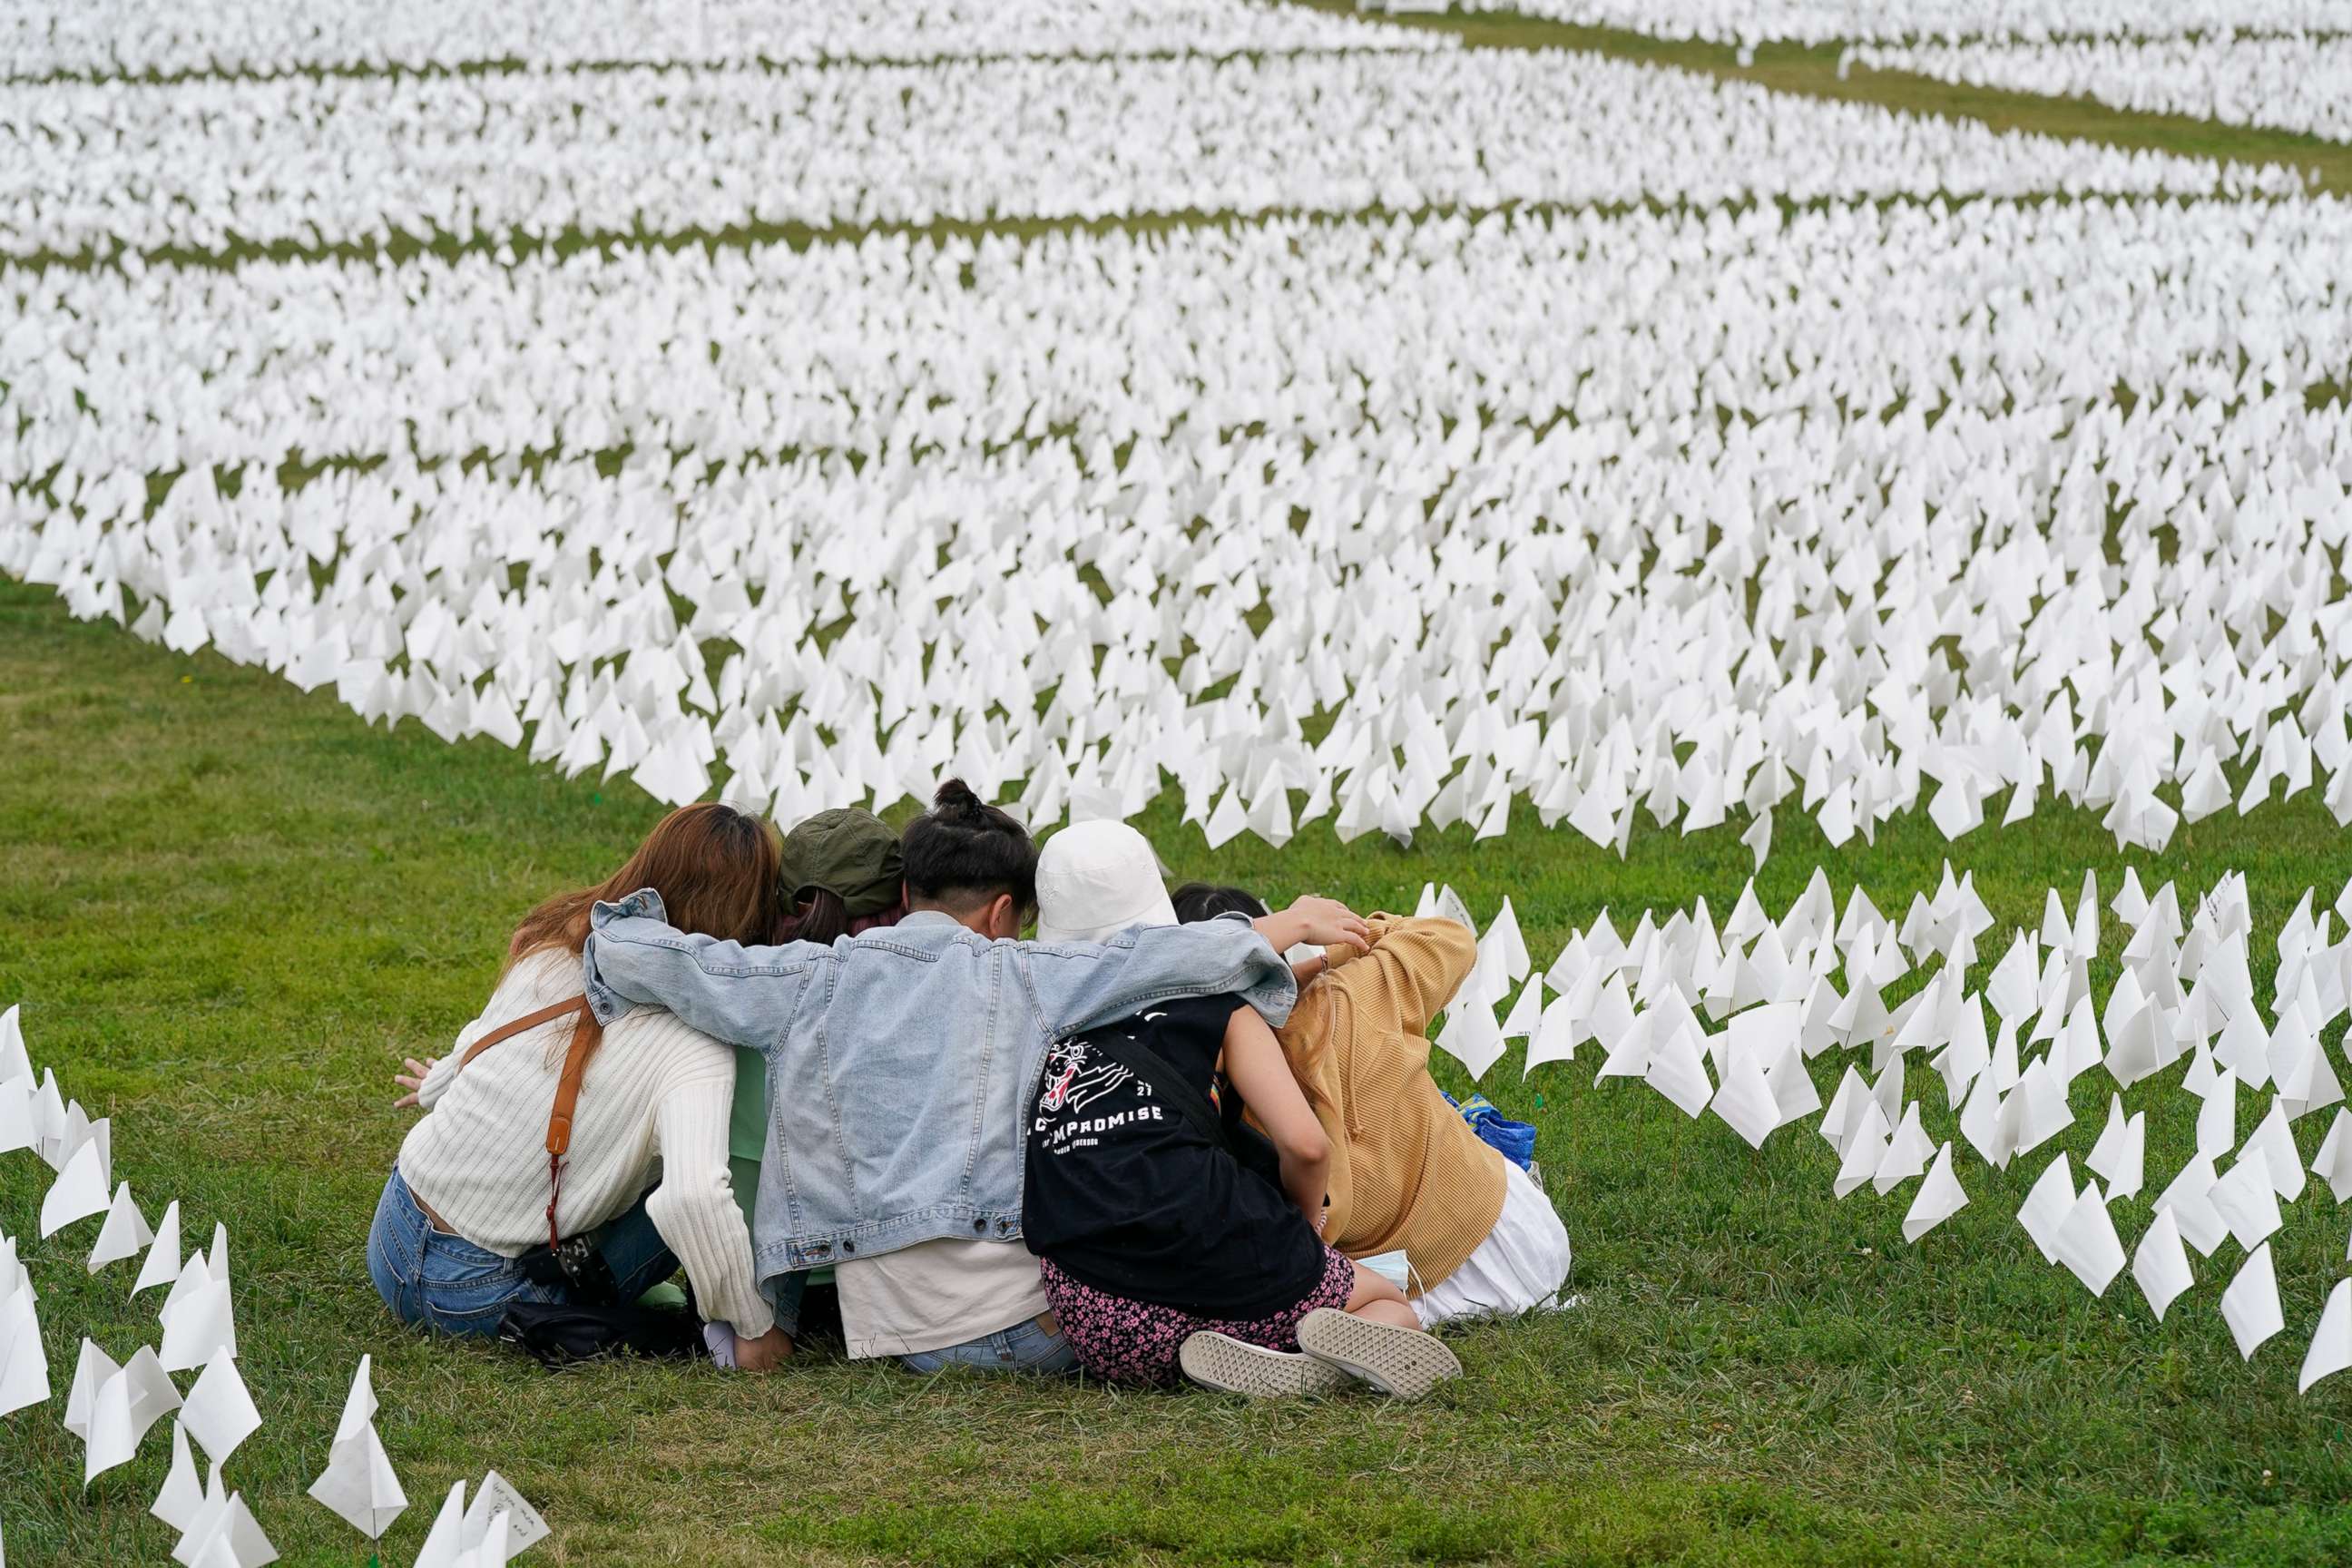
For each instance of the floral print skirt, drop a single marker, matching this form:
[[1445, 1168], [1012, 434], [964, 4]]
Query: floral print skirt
[[1123, 1340]]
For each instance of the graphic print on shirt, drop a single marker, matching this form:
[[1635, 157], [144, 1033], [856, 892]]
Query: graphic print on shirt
[[1074, 1081], [1075, 1077]]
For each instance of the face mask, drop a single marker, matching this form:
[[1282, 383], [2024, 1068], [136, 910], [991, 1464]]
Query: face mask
[[1393, 1267]]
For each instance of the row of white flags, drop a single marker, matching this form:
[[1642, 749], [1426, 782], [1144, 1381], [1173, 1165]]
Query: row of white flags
[[1788, 991], [1832, 21], [2281, 82], [518, 159], [1598, 603], [107, 38], [113, 1405]]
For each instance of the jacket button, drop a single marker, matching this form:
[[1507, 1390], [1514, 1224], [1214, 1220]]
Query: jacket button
[[980, 1224], [849, 1246]]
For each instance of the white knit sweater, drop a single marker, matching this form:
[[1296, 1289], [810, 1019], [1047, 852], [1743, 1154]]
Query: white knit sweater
[[653, 1108]]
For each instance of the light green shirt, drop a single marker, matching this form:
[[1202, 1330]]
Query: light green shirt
[[747, 1139]]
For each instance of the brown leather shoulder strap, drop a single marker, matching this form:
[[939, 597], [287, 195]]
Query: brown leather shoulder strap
[[508, 1031], [567, 1086], [584, 1040]]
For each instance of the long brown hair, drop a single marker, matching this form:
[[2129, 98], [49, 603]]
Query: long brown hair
[[715, 867]]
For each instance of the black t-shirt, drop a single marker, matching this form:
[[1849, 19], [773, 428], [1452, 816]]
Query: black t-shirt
[[1128, 1193]]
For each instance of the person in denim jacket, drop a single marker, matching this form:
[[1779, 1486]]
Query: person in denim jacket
[[901, 1063]]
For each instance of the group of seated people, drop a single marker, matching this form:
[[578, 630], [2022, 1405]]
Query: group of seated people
[[1155, 1141]]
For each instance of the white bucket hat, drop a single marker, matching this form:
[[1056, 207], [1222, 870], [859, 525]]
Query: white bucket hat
[[1095, 880]]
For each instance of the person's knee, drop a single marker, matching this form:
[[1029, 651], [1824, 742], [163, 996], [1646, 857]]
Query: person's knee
[[1371, 1287]]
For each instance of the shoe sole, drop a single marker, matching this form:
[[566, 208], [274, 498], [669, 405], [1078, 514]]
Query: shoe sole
[[1404, 1363], [1234, 1366]]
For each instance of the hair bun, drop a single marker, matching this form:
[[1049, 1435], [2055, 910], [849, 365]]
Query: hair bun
[[964, 849]]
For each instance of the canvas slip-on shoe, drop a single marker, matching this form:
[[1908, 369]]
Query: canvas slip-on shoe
[[1236, 1366], [1404, 1363]]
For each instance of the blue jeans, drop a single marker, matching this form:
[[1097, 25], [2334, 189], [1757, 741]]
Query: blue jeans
[[1028, 1346], [428, 1275]]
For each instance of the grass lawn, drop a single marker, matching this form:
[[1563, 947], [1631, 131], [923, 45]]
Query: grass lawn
[[238, 906]]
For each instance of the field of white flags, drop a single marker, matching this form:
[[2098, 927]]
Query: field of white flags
[[1835, 21], [1843, 509], [1845, 598], [2288, 82], [2007, 1041]]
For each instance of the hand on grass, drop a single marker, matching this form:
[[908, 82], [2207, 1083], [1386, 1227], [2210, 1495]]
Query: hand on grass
[[766, 1353], [411, 1081]]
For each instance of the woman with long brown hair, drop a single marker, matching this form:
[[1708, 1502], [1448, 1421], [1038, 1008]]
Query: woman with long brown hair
[[563, 1161]]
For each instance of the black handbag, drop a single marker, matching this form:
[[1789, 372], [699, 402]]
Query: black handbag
[[558, 1334]]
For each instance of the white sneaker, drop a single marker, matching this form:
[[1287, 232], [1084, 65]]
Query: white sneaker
[[1403, 1362], [1236, 1366]]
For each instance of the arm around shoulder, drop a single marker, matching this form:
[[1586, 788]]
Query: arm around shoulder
[[728, 991], [1080, 985]]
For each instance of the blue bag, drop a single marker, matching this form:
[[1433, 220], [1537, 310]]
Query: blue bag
[[1515, 1140]]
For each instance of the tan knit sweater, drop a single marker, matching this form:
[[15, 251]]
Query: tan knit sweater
[[1406, 1169], [653, 1108]]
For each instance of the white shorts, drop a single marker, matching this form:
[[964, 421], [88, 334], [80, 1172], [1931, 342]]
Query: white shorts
[[1519, 1267]]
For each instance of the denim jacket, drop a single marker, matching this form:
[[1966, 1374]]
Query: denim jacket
[[901, 1062]]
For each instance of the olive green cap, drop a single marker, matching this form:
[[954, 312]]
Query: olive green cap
[[849, 853]]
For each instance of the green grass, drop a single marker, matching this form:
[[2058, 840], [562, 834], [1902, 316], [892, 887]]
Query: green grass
[[236, 908]]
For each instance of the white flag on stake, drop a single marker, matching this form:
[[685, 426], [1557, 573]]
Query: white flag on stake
[[183, 1493], [359, 1484], [497, 1496], [24, 1361], [1938, 1199], [2087, 1242], [445, 1544], [2160, 1266], [2251, 1305], [78, 1192], [123, 1235], [163, 1264], [2331, 1345], [2332, 1163], [2047, 1206], [219, 1413], [128, 1404]]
